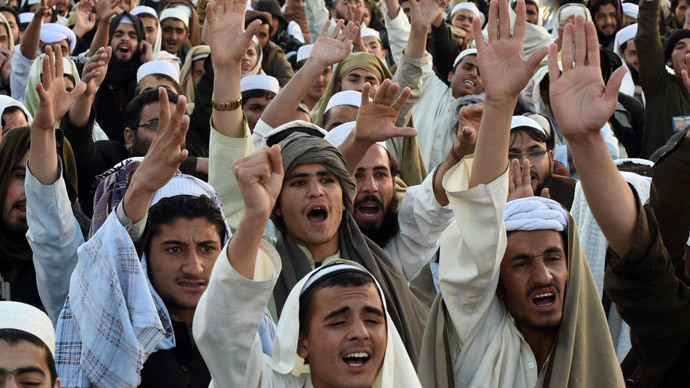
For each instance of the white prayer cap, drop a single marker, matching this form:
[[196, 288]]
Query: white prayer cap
[[7, 101], [184, 9], [463, 54], [54, 33], [202, 55], [291, 127], [625, 34], [347, 97], [144, 10], [304, 51], [645, 162], [29, 319], [366, 31], [175, 13], [32, 2], [542, 121], [630, 10], [522, 121], [125, 19], [168, 68], [468, 6], [331, 270], [337, 135], [535, 213], [259, 82], [26, 17]]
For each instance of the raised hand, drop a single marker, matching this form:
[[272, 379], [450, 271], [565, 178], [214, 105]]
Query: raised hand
[[105, 9], [424, 12], [84, 19], [225, 32], [95, 69], [146, 51], [334, 48], [501, 60], [260, 177], [376, 118], [684, 73], [55, 101], [161, 160], [580, 101]]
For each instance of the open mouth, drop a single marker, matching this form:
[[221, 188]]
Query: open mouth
[[356, 359], [544, 299], [369, 209], [469, 83], [124, 48], [192, 284], [317, 214], [21, 208]]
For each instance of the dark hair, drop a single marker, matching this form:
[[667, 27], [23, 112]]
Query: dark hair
[[189, 207], [256, 93], [14, 337], [596, 4], [10, 110], [13, 11], [341, 279], [455, 68], [263, 19], [133, 110], [535, 134], [160, 77], [527, 2]]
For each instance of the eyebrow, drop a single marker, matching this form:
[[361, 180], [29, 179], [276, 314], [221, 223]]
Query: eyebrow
[[524, 256], [307, 175], [337, 312], [19, 168], [22, 370]]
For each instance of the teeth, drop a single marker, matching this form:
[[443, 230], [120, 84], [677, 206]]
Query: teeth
[[544, 295], [468, 82], [357, 355]]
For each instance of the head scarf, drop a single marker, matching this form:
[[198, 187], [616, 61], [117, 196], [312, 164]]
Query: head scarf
[[259, 57], [13, 148], [7, 101], [111, 189], [583, 353], [397, 369], [31, 95], [298, 149], [4, 21], [366, 61], [186, 81], [121, 73]]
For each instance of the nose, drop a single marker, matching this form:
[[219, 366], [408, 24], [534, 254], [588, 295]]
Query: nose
[[315, 189], [368, 184], [358, 330], [541, 274], [193, 264]]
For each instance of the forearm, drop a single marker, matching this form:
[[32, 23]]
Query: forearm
[[416, 44], [31, 37], [609, 197], [80, 112], [441, 170], [353, 151], [491, 152], [285, 103], [393, 8], [101, 38], [226, 87], [43, 155], [244, 245], [136, 201]]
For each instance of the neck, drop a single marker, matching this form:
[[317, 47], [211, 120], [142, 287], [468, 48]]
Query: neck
[[185, 316], [540, 341], [310, 101], [321, 251]]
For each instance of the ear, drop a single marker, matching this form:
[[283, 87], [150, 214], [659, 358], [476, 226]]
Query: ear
[[129, 138], [336, 88], [500, 292], [277, 208], [450, 76], [302, 347], [551, 159]]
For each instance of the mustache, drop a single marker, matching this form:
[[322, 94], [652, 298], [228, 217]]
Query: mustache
[[369, 198], [550, 285]]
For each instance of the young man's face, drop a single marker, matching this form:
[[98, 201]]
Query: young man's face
[[124, 41], [150, 27], [263, 34], [374, 46], [154, 81], [311, 205], [347, 337], [466, 79], [533, 278], [680, 50], [630, 55], [139, 140], [319, 87], [355, 80], [250, 59], [174, 35], [340, 115], [679, 12], [14, 208], [14, 26], [627, 21], [463, 20], [253, 108], [181, 256], [14, 120], [344, 9], [532, 13], [539, 165], [606, 20], [24, 365], [197, 70], [375, 188], [61, 7], [64, 47], [4, 37]]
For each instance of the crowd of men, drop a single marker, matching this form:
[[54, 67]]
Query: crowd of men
[[364, 193]]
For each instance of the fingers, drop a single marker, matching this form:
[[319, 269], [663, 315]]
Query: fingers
[[251, 30], [402, 99], [492, 26], [381, 93], [350, 32], [504, 19], [78, 90], [366, 89], [210, 14], [686, 79], [554, 73], [520, 21], [478, 35], [48, 72], [581, 40], [179, 122], [514, 175], [403, 131], [276, 160], [337, 28], [567, 48], [59, 65], [545, 193], [526, 180], [324, 30], [535, 59], [592, 45], [163, 110]]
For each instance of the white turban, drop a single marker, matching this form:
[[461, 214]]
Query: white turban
[[347, 97], [630, 10], [54, 33], [175, 13], [468, 6], [259, 82], [535, 213], [337, 135], [29, 319], [463, 54]]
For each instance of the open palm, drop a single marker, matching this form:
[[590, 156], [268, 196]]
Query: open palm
[[225, 30], [376, 119], [334, 48]]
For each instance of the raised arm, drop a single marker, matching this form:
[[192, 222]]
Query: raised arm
[[225, 18], [328, 50], [105, 10], [32, 34], [92, 75], [502, 55], [423, 14], [582, 104]]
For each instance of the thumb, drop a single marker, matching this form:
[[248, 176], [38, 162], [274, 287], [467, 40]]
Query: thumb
[[404, 131], [276, 160], [536, 58], [545, 193], [251, 29], [615, 83]]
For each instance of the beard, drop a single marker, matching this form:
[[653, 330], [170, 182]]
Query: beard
[[16, 230], [383, 233], [544, 183], [139, 146]]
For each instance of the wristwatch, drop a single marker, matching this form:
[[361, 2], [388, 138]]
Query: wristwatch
[[228, 105]]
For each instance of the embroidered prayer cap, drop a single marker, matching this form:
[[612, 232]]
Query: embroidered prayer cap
[[281, 132], [523, 121], [144, 10], [535, 213], [304, 51], [166, 68], [348, 97], [397, 369], [337, 135], [54, 33], [468, 6], [29, 319], [259, 82], [175, 13], [463, 54], [630, 10]]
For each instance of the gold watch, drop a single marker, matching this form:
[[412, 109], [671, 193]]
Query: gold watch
[[228, 105]]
